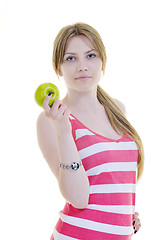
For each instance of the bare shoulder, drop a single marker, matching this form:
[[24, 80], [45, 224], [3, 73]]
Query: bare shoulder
[[47, 142], [120, 105]]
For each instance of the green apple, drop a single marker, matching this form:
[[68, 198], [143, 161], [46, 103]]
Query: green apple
[[43, 90]]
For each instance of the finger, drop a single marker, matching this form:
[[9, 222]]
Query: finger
[[61, 110], [67, 113], [56, 104], [46, 101], [136, 215], [138, 227], [137, 224], [55, 108], [45, 106], [135, 220]]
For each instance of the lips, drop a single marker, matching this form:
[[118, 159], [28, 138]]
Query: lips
[[83, 77]]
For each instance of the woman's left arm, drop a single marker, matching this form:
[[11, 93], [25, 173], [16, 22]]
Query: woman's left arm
[[136, 222]]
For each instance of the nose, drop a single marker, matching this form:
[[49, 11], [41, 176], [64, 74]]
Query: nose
[[82, 66]]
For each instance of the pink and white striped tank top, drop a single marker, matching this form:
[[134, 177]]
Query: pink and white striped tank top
[[111, 169]]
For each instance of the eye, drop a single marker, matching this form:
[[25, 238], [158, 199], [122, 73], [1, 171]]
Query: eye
[[70, 58], [92, 55]]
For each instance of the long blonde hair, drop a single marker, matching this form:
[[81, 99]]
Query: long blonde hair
[[116, 117]]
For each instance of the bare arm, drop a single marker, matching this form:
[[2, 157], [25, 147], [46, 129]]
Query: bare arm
[[55, 139]]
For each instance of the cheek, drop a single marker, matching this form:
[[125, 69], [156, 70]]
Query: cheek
[[64, 70], [98, 68], [68, 69], [98, 64]]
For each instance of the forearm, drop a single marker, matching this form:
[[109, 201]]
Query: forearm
[[74, 185]]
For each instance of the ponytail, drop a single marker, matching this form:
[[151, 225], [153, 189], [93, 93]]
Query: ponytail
[[121, 125]]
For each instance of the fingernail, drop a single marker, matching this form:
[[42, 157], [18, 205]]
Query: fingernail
[[133, 222], [135, 231]]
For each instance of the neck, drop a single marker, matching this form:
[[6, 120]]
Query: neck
[[82, 101]]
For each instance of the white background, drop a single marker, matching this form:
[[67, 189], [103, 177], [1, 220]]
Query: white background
[[30, 199]]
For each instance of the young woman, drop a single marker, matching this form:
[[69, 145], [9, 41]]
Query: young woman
[[93, 151]]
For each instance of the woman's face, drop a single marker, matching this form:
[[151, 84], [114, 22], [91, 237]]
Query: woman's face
[[82, 66]]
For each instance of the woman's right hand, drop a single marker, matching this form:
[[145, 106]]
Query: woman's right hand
[[58, 114]]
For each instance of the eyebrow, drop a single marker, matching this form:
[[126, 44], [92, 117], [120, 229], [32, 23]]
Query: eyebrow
[[85, 52]]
